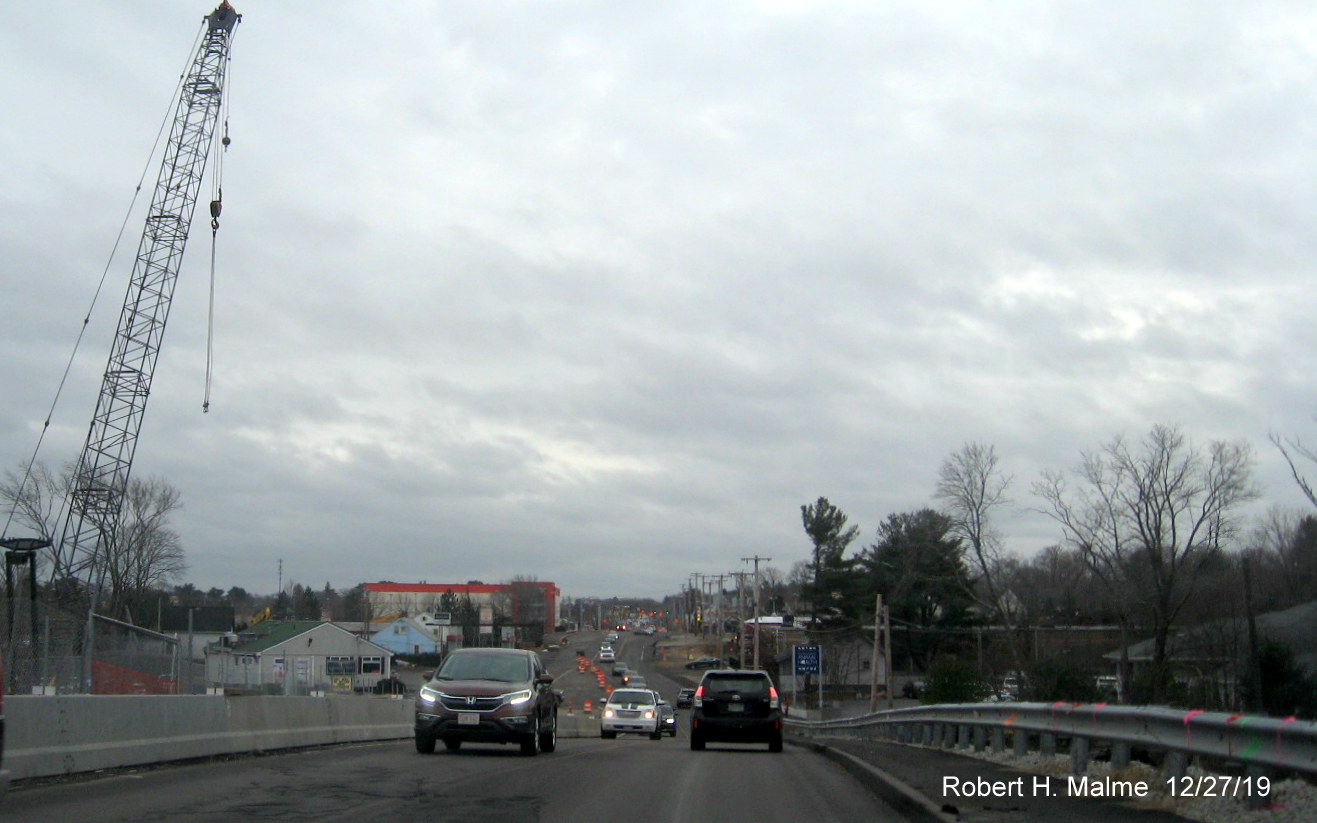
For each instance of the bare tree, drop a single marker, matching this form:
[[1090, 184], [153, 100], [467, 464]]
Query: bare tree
[[147, 553], [1284, 547], [1148, 521], [798, 582], [1288, 450], [1055, 586], [32, 499], [971, 487]]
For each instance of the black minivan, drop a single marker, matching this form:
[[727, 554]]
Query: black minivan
[[736, 706]]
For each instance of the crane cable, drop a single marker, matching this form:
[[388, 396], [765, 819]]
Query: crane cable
[[19, 492], [216, 206]]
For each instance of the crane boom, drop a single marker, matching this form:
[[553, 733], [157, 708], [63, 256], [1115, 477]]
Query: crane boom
[[100, 479]]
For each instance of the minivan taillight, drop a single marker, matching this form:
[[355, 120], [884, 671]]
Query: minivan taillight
[[698, 699], [772, 697]]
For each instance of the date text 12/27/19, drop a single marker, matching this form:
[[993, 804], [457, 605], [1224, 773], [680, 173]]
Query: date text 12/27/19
[[1218, 785]]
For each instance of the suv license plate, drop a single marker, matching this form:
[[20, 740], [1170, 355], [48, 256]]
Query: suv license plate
[[468, 719], [735, 707]]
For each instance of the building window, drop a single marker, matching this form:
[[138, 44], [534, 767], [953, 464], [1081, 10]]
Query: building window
[[372, 665], [340, 665]]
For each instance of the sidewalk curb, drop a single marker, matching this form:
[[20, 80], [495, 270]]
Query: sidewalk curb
[[889, 788]]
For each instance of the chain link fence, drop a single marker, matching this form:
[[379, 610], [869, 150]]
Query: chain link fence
[[46, 651]]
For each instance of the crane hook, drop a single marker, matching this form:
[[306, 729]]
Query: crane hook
[[215, 207]]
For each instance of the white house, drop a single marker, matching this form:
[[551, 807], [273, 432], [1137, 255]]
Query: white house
[[298, 657]]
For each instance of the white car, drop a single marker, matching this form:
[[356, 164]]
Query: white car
[[606, 655], [631, 711]]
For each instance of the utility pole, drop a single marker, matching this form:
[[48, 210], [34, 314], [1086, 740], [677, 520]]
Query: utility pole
[[742, 646], [756, 560], [887, 655], [718, 611], [697, 602], [877, 651]]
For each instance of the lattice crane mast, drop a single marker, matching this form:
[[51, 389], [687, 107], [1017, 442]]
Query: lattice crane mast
[[100, 479]]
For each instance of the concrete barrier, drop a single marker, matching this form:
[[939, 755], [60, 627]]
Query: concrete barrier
[[48, 736]]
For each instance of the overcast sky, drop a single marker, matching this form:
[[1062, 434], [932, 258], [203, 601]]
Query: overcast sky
[[603, 292]]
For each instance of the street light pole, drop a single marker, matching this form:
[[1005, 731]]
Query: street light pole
[[21, 551]]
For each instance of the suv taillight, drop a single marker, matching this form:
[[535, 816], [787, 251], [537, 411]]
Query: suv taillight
[[698, 698], [772, 697]]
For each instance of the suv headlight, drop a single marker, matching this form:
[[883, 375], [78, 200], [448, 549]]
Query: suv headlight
[[429, 695], [517, 698]]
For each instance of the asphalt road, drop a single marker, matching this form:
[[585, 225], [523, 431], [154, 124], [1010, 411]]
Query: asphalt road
[[586, 779]]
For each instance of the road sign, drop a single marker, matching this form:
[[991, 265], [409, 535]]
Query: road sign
[[808, 660]]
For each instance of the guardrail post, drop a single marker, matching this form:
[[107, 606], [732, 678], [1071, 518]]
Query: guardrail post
[[998, 739], [1176, 764], [1047, 744], [980, 738], [948, 736], [1078, 755], [1255, 799], [1020, 742], [1120, 755], [926, 734], [902, 733], [962, 737]]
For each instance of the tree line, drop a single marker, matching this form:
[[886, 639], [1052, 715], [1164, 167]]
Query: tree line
[[1154, 540]]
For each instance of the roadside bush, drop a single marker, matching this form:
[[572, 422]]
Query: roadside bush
[[1058, 679], [951, 680]]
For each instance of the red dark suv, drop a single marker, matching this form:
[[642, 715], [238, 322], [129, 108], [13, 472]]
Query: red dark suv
[[489, 696]]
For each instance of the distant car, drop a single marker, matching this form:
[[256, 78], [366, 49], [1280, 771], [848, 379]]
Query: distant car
[[607, 655], [489, 696], [736, 706], [636, 681], [631, 711], [619, 668], [669, 717], [389, 685], [611, 637], [704, 663], [684, 698]]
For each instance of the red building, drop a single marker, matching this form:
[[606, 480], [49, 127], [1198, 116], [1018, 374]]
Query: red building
[[522, 602]]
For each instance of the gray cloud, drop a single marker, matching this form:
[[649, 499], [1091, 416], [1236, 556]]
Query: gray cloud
[[604, 292]]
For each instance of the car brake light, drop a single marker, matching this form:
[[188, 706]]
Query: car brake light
[[772, 697]]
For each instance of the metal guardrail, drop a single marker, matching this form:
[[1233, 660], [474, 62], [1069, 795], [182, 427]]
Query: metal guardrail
[[1260, 744]]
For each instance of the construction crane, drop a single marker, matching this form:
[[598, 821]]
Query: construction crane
[[100, 479]]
